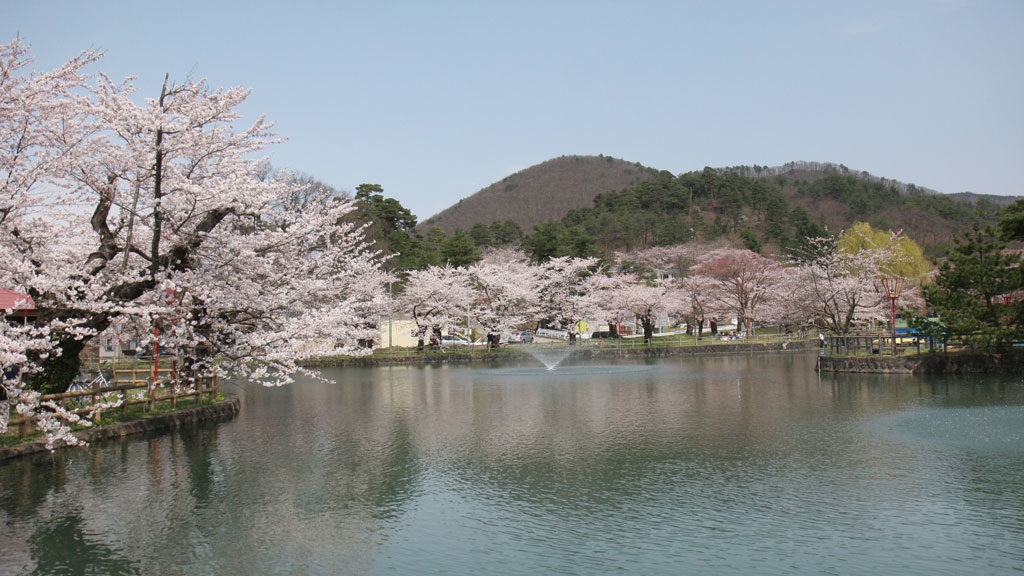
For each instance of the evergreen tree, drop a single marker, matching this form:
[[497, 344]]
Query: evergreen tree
[[458, 249], [972, 295]]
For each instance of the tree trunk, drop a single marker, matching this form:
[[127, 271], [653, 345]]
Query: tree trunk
[[613, 329], [648, 325], [58, 370]]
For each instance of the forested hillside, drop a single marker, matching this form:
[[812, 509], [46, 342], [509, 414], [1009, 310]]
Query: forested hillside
[[770, 213], [766, 209], [553, 209]]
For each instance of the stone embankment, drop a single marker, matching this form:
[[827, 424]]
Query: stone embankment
[[514, 353], [216, 412], [1011, 362]]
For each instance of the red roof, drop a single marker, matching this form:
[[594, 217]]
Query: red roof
[[9, 299]]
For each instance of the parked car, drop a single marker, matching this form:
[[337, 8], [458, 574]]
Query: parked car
[[520, 337], [602, 334], [453, 340], [551, 333]]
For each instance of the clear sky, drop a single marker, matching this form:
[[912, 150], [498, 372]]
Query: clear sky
[[436, 100]]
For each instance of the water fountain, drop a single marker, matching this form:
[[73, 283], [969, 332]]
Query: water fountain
[[550, 356], [553, 358]]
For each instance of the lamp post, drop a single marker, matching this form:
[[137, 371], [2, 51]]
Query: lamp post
[[893, 286]]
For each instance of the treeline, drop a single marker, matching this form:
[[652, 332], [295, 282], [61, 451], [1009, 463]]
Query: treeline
[[769, 212], [391, 228], [825, 168], [775, 214], [670, 210]]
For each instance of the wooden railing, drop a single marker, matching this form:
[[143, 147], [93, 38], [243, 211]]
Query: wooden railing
[[125, 381], [874, 344]]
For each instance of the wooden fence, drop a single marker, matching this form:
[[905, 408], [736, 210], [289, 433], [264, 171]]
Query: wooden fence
[[123, 386], [874, 344]]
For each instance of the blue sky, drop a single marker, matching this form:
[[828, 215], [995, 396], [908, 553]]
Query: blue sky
[[437, 100]]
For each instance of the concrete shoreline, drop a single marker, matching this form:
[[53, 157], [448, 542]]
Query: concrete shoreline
[[1010, 362], [217, 412], [514, 352]]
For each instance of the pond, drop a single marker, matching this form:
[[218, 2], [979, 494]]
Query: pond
[[725, 465]]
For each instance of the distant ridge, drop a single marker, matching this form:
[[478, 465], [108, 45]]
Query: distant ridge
[[823, 168], [546, 191], [549, 190], [826, 168]]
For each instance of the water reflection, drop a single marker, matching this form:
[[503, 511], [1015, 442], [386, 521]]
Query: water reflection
[[725, 465], [78, 548]]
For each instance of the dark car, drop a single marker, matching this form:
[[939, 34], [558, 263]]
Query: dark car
[[603, 334]]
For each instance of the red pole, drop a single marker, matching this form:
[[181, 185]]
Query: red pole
[[156, 354], [893, 298], [893, 286]]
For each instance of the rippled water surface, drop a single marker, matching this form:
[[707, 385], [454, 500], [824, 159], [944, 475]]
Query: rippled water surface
[[719, 465]]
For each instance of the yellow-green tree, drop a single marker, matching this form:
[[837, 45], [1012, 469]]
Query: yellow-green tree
[[907, 259]]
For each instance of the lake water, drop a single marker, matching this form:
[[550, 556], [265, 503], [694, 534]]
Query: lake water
[[715, 465]]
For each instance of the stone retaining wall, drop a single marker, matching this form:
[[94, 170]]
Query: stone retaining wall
[[217, 412], [1011, 362], [515, 353], [871, 364]]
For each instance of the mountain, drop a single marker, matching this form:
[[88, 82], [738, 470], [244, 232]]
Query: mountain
[[546, 191], [624, 206]]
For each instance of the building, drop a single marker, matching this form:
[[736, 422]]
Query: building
[[17, 305]]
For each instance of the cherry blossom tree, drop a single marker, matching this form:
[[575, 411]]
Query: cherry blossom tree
[[566, 292], [698, 301], [843, 286], [506, 292], [647, 301], [161, 214], [743, 282], [438, 298], [608, 290], [674, 260]]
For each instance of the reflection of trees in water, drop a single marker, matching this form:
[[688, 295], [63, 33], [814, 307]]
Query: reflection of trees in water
[[363, 456], [63, 546], [335, 471], [89, 511], [602, 437], [400, 468], [311, 470], [25, 483]]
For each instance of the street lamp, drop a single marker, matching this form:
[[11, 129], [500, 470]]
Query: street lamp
[[893, 286]]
